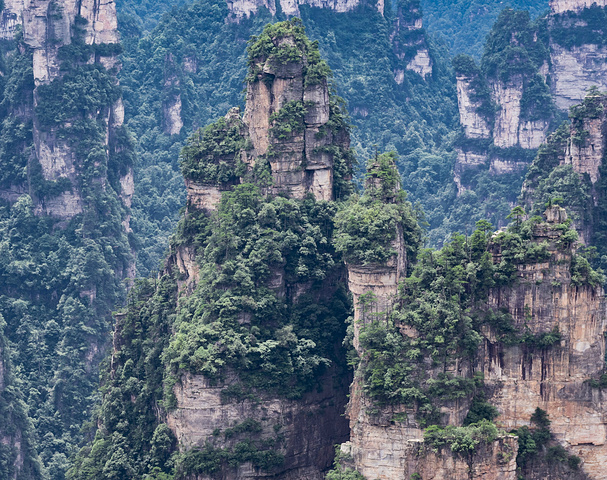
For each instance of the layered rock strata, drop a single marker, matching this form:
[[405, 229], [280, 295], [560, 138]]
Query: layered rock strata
[[293, 426], [48, 26], [475, 125], [245, 8], [575, 70], [289, 124], [561, 6], [409, 42], [300, 159], [587, 145], [578, 66], [289, 130], [556, 378], [387, 442]]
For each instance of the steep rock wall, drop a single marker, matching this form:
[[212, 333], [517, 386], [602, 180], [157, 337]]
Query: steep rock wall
[[11, 18], [47, 26], [555, 379], [560, 6], [475, 125], [409, 42], [299, 160], [306, 442], [575, 70], [586, 155], [246, 8]]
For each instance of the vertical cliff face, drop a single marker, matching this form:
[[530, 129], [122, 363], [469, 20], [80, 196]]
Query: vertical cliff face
[[587, 146], [387, 439], [505, 114], [409, 41], [570, 165], [11, 18], [245, 8], [510, 129], [290, 141], [561, 6], [475, 125], [50, 28], [287, 113], [577, 49], [292, 130], [554, 378]]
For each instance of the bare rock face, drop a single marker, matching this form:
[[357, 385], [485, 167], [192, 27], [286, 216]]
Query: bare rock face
[[47, 26], [475, 125], [421, 63], [245, 8], [171, 108], [172, 116], [554, 379], [11, 18], [407, 34], [495, 461], [44, 19], [586, 155], [507, 119], [560, 6], [575, 70], [299, 157], [204, 414]]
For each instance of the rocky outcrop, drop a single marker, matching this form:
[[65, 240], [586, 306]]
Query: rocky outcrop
[[300, 155], [171, 108], [48, 26], [205, 415], [495, 461], [245, 8], [409, 42], [587, 146], [11, 18], [475, 125], [45, 19], [510, 130], [421, 63], [561, 6], [172, 116], [555, 378], [575, 70]]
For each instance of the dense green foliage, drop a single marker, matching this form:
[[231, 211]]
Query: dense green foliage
[[234, 320], [212, 154], [205, 58], [460, 439], [515, 46], [443, 300], [574, 29], [368, 226], [60, 279], [464, 24], [15, 425], [537, 448]]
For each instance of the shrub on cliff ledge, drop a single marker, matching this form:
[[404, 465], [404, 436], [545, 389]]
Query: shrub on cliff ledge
[[212, 154], [283, 43], [460, 439]]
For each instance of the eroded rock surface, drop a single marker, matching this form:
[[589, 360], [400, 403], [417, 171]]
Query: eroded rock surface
[[554, 379]]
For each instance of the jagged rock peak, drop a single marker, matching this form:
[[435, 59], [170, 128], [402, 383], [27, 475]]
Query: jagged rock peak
[[245, 8], [560, 6], [293, 138]]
